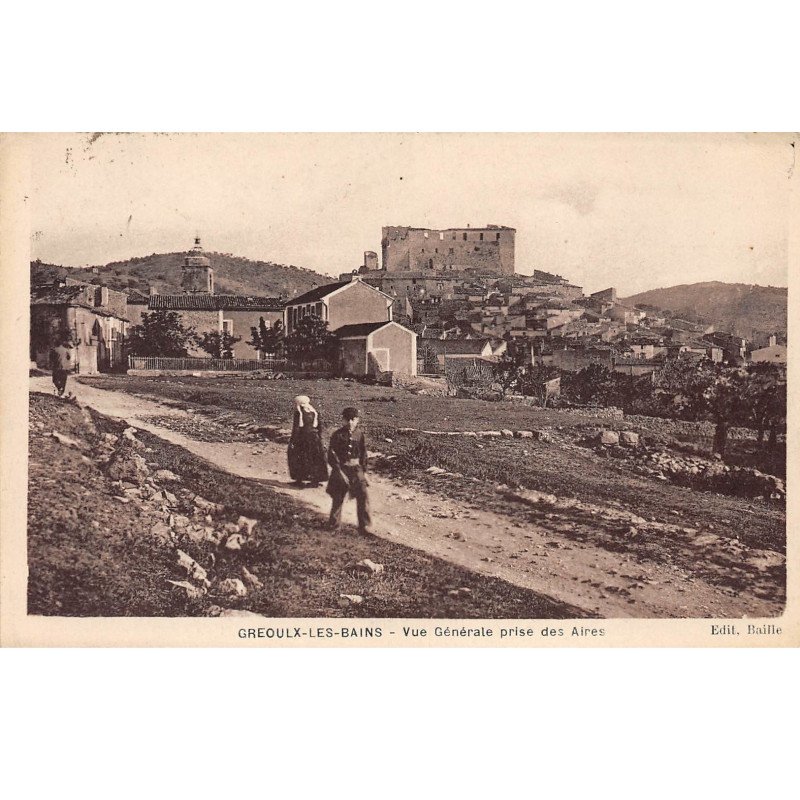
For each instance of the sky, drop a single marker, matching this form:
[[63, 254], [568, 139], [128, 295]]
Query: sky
[[636, 212]]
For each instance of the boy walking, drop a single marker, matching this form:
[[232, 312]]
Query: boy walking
[[347, 455]]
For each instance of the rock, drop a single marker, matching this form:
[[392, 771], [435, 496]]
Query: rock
[[179, 521], [507, 434], [608, 438], [206, 505], [629, 439], [490, 434], [170, 498], [236, 612], [193, 569], [234, 541], [435, 471], [232, 587], [65, 440], [247, 524], [250, 579], [542, 436], [166, 475], [346, 600], [161, 531], [126, 465], [524, 434], [370, 567], [191, 590]]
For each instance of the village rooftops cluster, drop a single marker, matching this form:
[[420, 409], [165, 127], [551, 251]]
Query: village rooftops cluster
[[474, 311]]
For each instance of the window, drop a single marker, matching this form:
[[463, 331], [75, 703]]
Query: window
[[441, 237], [465, 237], [426, 234], [450, 250], [227, 326], [497, 237], [476, 248], [481, 235], [436, 250]]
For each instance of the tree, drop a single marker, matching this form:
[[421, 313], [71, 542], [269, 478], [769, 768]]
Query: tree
[[508, 369], [592, 384], [539, 381], [267, 340], [311, 340], [765, 395], [218, 345], [161, 333]]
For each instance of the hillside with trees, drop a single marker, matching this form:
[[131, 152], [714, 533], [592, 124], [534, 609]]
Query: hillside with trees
[[753, 312], [232, 275]]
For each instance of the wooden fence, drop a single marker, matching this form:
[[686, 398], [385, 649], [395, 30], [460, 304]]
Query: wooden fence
[[205, 364]]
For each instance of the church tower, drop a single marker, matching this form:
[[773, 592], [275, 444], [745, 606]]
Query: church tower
[[198, 277]]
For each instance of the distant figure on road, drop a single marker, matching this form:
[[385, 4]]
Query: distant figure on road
[[306, 453], [347, 456], [59, 373]]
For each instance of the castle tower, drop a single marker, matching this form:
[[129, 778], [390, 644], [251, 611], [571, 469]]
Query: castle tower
[[198, 277]]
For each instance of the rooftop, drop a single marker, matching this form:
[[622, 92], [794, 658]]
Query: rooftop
[[213, 302]]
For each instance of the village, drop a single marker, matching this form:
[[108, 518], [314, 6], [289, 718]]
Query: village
[[438, 295], [513, 423]]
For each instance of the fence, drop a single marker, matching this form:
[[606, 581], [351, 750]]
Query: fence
[[205, 364]]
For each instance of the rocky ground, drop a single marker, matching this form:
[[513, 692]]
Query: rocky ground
[[122, 523], [550, 508]]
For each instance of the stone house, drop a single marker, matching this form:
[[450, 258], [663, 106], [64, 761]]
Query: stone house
[[370, 348], [86, 324], [344, 303], [220, 313], [773, 353]]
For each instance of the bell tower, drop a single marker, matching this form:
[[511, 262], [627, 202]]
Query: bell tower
[[198, 277]]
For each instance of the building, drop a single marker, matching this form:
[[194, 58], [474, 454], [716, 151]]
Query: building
[[773, 353], [343, 303], [489, 249], [370, 348], [197, 276], [207, 312], [86, 324], [222, 313]]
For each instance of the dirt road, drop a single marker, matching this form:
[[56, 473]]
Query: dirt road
[[602, 582]]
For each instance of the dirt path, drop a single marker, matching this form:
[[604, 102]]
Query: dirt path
[[602, 582]]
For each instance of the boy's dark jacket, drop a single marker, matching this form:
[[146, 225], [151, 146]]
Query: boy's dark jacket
[[338, 455]]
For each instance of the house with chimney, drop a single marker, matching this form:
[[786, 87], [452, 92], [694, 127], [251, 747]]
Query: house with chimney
[[83, 323]]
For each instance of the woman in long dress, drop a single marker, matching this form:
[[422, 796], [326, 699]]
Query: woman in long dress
[[306, 454]]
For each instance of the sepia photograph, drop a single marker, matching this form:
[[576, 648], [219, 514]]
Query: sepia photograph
[[409, 385]]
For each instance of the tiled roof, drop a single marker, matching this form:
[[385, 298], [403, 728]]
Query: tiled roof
[[58, 296], [360, 328], [213, 302], [317, 294]]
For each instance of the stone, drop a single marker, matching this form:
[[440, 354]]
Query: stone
[[490, 434], [435, 471], [232, 587], [346, 600], [608, 438], [234, 541], [524, 434], [193, 569], [369, 567], [629, 438], [191, 591], [125, 465], [246, 524], [170, 498], [250, 579], [507, 434], [166, 475], [161, 531], [65, 440]]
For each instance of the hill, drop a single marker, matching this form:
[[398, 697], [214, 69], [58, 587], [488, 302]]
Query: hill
[[232, 275], [739, 308]]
